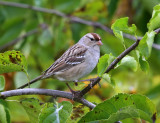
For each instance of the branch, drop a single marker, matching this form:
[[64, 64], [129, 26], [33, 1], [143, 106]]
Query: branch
[[71, 18], [11, 43], [48, 92]]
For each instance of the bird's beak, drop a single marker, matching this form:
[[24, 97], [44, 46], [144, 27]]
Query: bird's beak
[[99, 43]]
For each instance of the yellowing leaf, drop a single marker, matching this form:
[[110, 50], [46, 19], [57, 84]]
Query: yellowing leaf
[[11, 61]]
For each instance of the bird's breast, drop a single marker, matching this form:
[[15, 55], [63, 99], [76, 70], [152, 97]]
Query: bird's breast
[[92, 58]]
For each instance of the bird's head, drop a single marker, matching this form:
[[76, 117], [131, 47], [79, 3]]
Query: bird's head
[[91, 39]]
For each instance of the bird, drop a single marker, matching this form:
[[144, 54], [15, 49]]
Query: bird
[[76, 62]]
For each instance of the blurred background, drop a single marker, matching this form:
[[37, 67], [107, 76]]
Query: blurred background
[[45, 37]]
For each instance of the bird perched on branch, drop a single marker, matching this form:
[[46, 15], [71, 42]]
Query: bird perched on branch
[[76, 62]]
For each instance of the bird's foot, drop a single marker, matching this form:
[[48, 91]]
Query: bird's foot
[[75, 94], [76, 83]]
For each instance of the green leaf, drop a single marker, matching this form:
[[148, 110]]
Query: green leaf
[[11, 61], [111, 58], [103, 63], [120, 26], [125, 112], [55, 113], [2, 83], [4, 112], [143, 64], [145, 45], [107, 78], [33, 108], [129, 62], [16, 110], [120, 107], [154, 21]]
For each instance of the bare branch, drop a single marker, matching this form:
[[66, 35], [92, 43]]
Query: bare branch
[[71, 18], [13, 42], [156, 46], [48, 92], [157, 30]]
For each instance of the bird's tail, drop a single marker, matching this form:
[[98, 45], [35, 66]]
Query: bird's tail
[[32, 81]]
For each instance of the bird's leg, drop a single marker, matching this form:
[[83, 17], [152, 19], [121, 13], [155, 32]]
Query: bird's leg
[[72, 91], [76, 82], [76, 94]]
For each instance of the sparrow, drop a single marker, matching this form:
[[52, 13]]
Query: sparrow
[[77, 62]]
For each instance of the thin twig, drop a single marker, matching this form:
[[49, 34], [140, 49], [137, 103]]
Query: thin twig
[[13, 42], [48, 92], [71, 18]]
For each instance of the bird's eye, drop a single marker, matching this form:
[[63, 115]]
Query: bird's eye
[[92, 39]]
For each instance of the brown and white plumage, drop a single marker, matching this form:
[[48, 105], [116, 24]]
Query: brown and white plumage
[[76, 62]]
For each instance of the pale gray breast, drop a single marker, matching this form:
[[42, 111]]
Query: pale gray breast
[[93, 56]]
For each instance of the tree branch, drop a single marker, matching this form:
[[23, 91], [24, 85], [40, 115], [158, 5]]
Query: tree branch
[[71, 18], [11, 43], [48, 92]]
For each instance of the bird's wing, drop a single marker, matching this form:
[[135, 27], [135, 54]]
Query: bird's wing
[[73, 56]]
